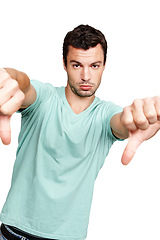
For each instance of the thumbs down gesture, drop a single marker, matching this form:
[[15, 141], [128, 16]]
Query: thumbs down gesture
[[11, 99], [139, 121]]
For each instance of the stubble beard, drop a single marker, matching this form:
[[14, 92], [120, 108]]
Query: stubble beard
[[83, 93]]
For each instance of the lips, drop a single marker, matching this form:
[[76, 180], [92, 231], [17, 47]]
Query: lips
[[85, 87]]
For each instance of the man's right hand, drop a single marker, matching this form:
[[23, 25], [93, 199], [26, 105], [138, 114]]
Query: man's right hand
[[11, 99]]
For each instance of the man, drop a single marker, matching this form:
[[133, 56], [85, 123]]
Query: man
[[65, 136]]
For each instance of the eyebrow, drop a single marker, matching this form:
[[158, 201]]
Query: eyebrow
[[74, 61]]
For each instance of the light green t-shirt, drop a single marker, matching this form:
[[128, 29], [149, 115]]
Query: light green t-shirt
[[58, 159]]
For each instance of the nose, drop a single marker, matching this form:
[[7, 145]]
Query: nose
[[85, 76]]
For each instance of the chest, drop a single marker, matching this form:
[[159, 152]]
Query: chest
[[64, 134]]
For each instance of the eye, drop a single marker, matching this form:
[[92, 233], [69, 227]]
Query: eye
[[76, 66], [95, 66]]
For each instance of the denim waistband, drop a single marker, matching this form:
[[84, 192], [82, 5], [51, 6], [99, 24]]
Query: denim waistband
[[11, 233]]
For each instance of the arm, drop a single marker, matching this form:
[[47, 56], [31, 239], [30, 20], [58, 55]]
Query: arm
[[118, 129], [15, 92], [139, 121]]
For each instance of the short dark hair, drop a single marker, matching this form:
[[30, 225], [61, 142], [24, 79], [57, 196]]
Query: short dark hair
[[84, 37]]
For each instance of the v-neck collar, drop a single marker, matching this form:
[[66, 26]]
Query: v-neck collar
[[70, 109]]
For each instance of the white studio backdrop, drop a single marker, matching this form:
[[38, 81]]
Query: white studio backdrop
[[126, 201]]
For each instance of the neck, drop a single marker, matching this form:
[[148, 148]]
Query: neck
[[77, 103]]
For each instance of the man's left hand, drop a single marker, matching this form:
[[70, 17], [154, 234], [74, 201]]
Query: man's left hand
[[142, 121]]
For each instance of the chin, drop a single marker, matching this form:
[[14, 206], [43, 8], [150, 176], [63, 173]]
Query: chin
[[85, 93]]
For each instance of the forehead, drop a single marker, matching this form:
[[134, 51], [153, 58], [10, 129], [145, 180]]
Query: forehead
[[92, 54]]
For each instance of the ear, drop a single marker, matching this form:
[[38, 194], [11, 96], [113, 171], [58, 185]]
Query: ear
[[64, 65]]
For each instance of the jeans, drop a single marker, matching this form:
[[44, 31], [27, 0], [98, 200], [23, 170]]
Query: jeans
[[20, 237], [3, 238]]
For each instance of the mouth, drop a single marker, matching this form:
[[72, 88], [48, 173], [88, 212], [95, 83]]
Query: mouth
[[85, 87]]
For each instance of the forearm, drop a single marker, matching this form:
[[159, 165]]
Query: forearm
[[118, 128], [22, 79]]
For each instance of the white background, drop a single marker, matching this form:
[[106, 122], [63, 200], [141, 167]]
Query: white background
[[126, 201]]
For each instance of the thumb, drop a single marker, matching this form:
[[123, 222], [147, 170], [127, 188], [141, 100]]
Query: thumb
[[5, 129], [130, 150]]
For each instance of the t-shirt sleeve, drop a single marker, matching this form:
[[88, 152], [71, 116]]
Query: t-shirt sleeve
[[43, 92]]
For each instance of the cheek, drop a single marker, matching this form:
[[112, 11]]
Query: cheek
[[74, 76], [97, 77]]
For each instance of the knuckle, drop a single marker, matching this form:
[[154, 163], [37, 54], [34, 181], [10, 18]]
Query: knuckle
[[126, 110], [148, 100], [126, 118], [150, 115], [136, 102], [14, 84], [140, 121], [127, 121], [157, 97], [3, 74], [157, 100], [4, 111]]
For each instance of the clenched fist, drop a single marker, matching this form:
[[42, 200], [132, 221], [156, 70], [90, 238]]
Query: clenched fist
[[11, 99], [142, 120]]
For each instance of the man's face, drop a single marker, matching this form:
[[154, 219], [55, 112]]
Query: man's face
[[84, 70]]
